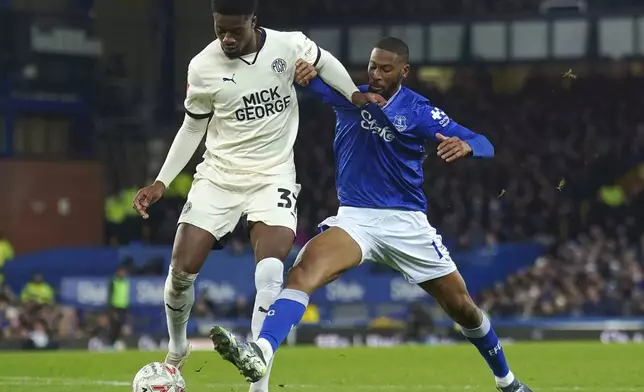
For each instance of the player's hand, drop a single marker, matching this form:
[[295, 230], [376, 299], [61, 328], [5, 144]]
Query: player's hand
[[361, 99], [452, 148], [147, 196], [304, 72]]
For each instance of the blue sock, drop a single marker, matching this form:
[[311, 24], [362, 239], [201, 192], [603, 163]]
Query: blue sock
[[286, 312], [485, 340]]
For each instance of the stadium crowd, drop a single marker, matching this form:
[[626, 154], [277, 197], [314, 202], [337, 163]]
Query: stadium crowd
[[599, 273], [33, 318]]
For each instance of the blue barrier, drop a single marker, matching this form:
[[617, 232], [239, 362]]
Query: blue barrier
[[81, 275]]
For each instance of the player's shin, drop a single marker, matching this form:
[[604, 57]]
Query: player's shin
[[284, 314], [269, 277], [179, 296], [485, 340]]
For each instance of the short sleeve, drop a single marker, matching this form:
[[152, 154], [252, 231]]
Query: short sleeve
[[306, 49], [198, 103]]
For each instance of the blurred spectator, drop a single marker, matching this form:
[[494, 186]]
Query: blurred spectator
[[201, 309], [6, 253], [69, 325], [119, 297], [311, 314], [100, 333], [37, 292], [39, 338], [6, 293], [420, 322], [205, 307], [241, 309]]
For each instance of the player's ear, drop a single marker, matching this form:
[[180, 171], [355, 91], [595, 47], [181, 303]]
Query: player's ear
[[253, 22], [405, 71]]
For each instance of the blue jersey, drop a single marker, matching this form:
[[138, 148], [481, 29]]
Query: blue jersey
[[379, 153]]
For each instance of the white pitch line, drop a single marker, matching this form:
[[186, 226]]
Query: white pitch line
[[47, 381], [41, 381]]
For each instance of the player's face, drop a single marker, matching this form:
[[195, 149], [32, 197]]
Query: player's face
[[386, 72], [235, 33]]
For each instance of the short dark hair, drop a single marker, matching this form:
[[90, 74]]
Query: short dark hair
[[234, 7], [394, 45]]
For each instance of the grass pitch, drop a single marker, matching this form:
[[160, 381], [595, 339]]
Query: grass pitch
[[591, 367]]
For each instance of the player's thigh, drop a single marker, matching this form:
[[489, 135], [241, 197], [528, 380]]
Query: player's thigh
[[409, 244], [208, 215], [323, 259], [272, 216]]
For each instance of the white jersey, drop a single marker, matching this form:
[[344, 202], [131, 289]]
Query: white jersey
[[253, 105]]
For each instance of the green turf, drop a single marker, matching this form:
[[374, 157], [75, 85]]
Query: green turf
[[545, 367]]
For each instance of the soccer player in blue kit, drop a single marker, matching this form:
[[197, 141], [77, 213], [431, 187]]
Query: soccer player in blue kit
[[379, 155]]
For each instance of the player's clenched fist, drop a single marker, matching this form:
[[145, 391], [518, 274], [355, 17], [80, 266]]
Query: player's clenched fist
[[360, 99], [304, 72], [147, 196], [452, 148]]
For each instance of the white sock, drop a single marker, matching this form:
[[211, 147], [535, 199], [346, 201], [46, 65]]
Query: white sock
[[262, 385], [505, 381], [179, 296], [266, 348], [269, 277]]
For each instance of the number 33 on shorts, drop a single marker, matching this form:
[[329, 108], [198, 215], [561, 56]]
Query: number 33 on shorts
[[275, 205], [288, 199]]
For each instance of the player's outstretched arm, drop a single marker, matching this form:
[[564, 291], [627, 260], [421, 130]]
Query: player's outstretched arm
[[455, 140], [454, 148], [479, 146]]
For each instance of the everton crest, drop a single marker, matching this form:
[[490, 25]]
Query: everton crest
[[400, 122]]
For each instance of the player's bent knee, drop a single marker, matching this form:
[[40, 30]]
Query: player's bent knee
[[269, 274], [278, 249], [305, 277], [179, 281]]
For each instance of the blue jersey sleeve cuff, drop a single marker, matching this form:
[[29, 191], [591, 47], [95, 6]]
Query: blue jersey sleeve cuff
[[481, 147]]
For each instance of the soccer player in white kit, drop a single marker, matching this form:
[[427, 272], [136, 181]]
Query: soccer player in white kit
[[240, 92]]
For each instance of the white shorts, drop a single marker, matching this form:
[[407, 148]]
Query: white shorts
[[403, 240], [217, 209]]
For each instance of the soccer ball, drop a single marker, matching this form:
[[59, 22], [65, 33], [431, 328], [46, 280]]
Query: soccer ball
[[159, 377]]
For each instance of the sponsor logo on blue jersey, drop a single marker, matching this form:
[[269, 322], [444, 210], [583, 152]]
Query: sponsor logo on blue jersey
[[369, 123]]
